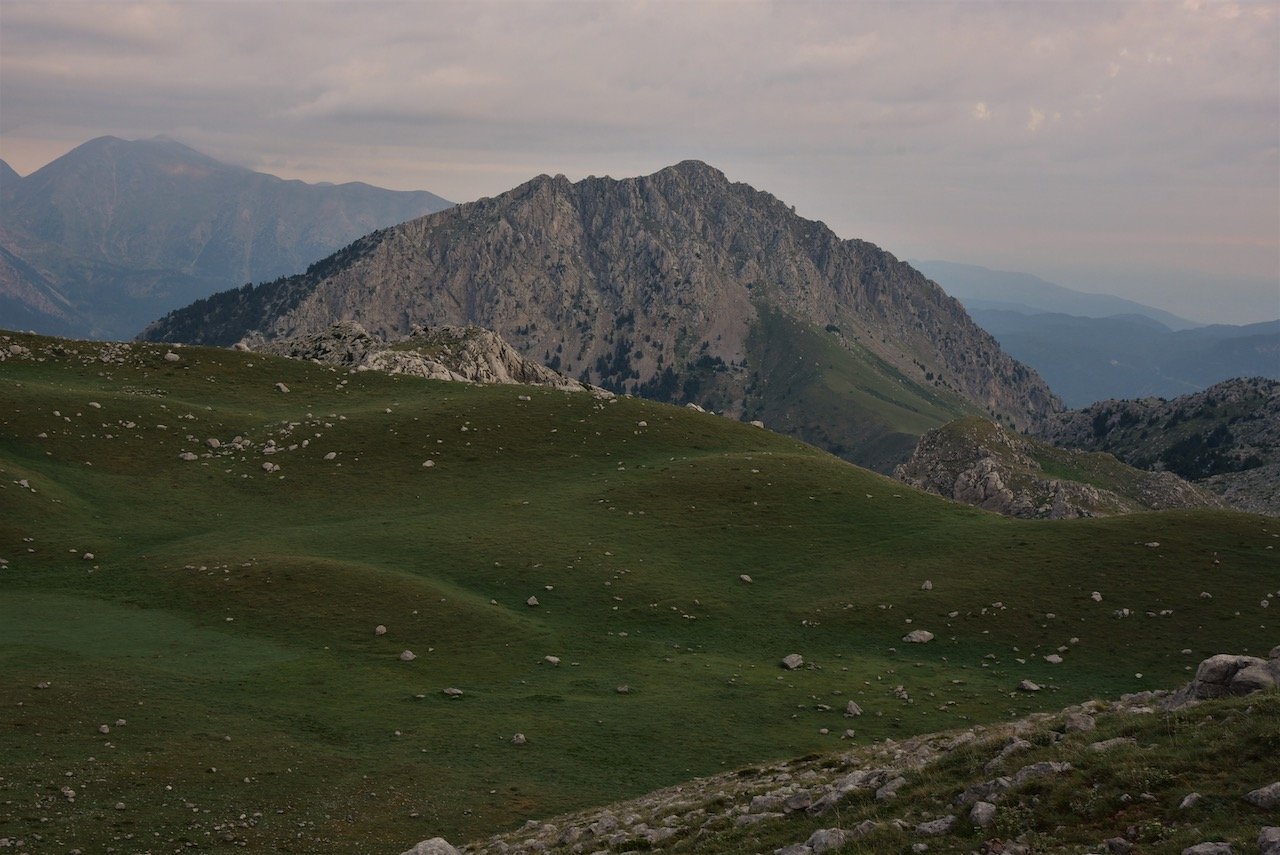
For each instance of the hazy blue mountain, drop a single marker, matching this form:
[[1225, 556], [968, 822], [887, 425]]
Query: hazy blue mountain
[[115, 233], [1093, 359], [8, 176], [981, 288]]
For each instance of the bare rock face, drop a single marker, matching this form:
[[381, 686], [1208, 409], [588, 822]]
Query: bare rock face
[[459, 354], [680, 286], [1225, 438], [980, 463]]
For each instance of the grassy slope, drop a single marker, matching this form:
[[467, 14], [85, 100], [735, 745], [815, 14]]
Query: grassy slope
[[849, 401], [223, 601]]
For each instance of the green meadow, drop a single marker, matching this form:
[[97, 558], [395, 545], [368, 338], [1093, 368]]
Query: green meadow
[[227, 615]]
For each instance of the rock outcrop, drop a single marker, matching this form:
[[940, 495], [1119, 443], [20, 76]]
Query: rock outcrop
[[980, 463], [460, 354], [1225, 438], [1225, 675], [856, 792]]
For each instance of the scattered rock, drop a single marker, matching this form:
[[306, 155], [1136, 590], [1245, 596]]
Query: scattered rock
[[551, 660], [1267, 797], [982, 814], [434, 846], [927, 586], [1096, 596], [1028, 686], [1269, 840], [890, 789], [280, 387], [188, 456], [826, 839], [407, 656], [623, 689], [918, 636], [379, 630], [745, 579], [1110, 744], [518, 739], [531, 602], [1209, 849], [852, 710], [1080, 723], [936, 827], [453, 692], [1189, 801], [171, 357], [792, 661]]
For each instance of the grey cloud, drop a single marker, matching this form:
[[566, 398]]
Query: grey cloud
[[862, 114]]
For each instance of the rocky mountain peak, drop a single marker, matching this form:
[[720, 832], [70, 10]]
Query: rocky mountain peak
[[677, 286]]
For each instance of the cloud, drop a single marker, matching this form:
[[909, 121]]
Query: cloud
[[889, 121]]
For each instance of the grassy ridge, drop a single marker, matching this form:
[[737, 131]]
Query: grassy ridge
[[225, 601]]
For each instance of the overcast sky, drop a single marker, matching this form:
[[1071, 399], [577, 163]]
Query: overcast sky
[[1129, 148]]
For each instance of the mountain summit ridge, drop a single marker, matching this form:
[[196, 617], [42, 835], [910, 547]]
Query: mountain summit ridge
[[665, 286]]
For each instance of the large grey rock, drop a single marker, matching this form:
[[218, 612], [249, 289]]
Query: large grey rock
[[982, 814], [936, 827], [434, 846], [1269, 840], [792, 661], [826, 839], [1267, 797], [1209, 849], [918, 636]]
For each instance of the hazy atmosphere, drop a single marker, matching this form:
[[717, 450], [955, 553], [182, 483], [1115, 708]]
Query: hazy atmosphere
[[1131, 148]]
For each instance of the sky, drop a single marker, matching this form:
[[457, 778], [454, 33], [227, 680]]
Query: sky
[[1130, 148]]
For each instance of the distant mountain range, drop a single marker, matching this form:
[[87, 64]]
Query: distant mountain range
[[680, 286], [1094, 347], [115, 233]]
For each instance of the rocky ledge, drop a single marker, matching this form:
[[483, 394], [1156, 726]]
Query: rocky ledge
[[459, 354]]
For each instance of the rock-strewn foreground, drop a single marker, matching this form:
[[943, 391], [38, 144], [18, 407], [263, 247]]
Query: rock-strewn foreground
[[980, 463], [679, 286], [1135, 775]]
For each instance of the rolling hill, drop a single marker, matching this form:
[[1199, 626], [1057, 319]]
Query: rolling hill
[[197, 547], [114, 233]]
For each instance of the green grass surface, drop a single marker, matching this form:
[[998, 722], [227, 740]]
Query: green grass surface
[[224, 601], [839, 396]]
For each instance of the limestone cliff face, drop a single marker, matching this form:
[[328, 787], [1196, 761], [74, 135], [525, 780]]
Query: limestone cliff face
[[980, 463], [636, 285]]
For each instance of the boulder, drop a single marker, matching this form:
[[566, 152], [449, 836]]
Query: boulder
[[918, 636], [1269, 840], [982, 814], [434, 846], [792, 661], [936, 827], [826, 839], [1267, 798]]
